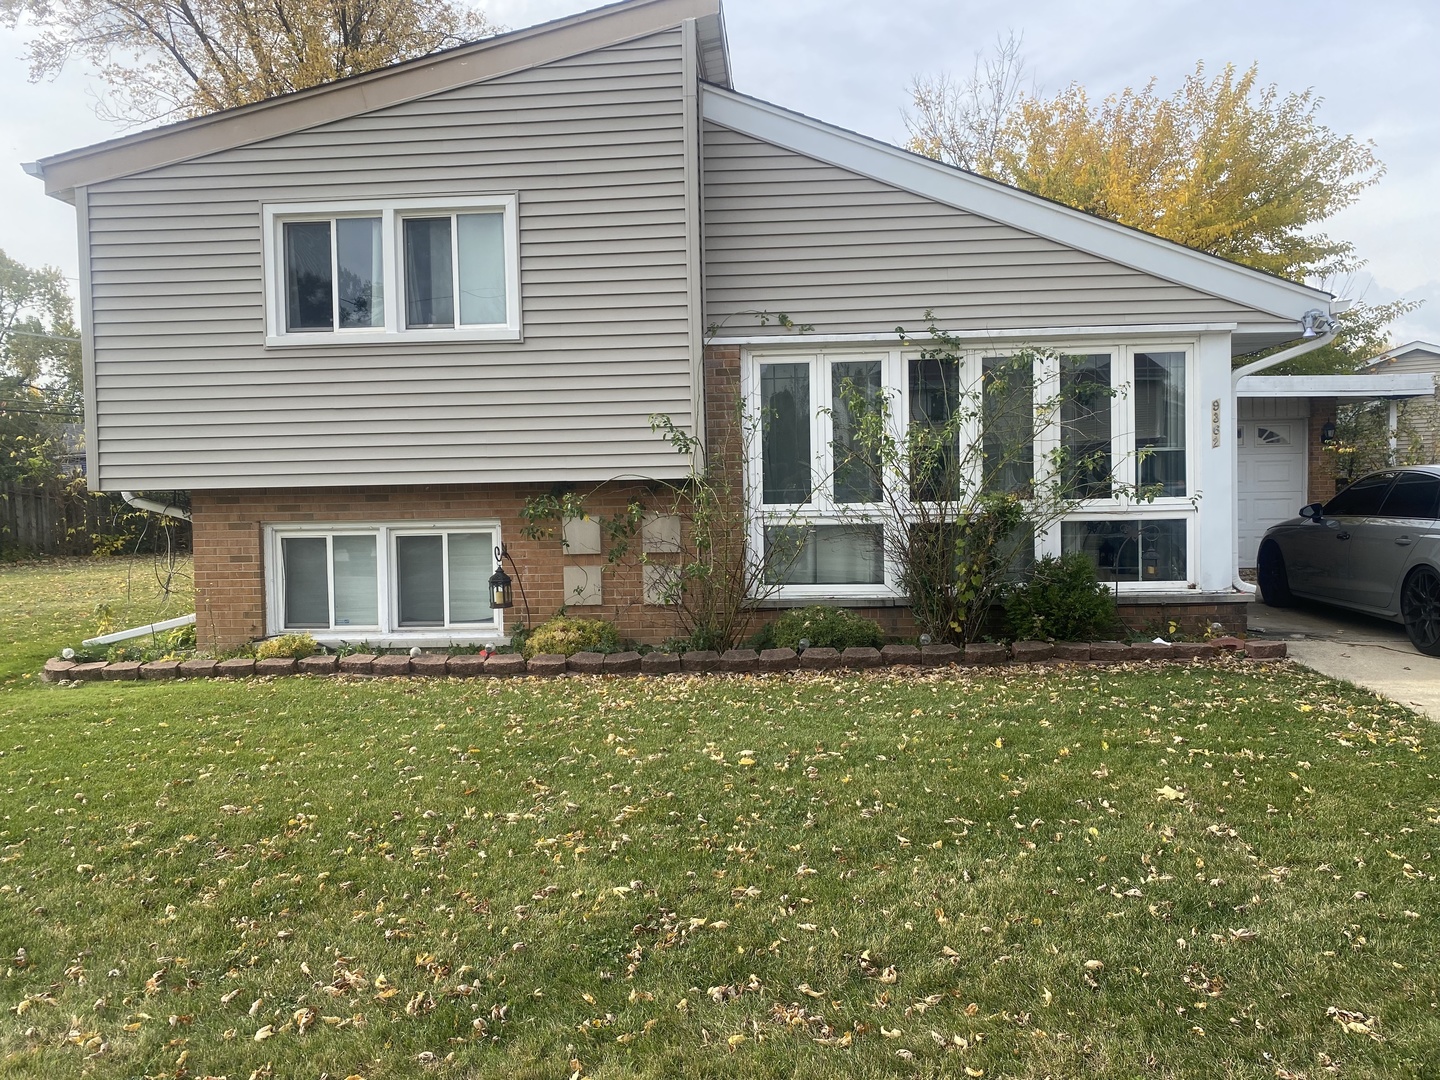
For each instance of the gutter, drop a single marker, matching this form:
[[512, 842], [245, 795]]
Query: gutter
[[139, 502], [135, 499], [1286, 354], [1323, 328], [140, 631]]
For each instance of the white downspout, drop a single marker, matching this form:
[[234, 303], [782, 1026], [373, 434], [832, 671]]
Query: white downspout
[[135, 499], [1320, 339]]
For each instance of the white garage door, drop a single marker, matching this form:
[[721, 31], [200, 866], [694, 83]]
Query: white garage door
[[1272, 478]]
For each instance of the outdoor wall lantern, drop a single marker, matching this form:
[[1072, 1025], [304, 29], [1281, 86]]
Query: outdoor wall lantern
[[501, 595], [1150, 561], [1327, 433]]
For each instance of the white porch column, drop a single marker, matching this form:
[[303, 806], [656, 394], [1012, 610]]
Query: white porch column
[[1215, 466]]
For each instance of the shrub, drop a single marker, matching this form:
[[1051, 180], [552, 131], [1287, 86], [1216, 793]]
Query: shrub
[[168, 645], [826, 627], [566, 635], [1062, 600], [291, 646]]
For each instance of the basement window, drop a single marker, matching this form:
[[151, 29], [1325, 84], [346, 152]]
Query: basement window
[[346, 582]]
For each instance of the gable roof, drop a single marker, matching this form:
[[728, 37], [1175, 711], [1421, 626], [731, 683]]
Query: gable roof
[[446, 70], [970, 192], [1400, 352]]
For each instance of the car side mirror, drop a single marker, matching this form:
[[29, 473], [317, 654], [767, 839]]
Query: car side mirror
[[1311, 512]]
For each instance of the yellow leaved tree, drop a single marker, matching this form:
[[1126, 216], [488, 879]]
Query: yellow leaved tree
[[1223, 164]]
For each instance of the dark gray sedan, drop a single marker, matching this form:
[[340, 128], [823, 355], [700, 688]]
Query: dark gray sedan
[[1375, 547]]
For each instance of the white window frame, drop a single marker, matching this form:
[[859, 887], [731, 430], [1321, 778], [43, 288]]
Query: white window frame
[[392, 214], [895, 383], [387, 632], [822, 508]]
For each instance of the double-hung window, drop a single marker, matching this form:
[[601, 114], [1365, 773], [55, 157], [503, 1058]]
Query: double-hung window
[[1119, 440], [369, 581], [418, 270]]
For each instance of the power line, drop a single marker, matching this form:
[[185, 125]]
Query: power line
[[47, 337]]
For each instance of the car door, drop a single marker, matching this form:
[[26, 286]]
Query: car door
[[1326, 565], [1385, 545]]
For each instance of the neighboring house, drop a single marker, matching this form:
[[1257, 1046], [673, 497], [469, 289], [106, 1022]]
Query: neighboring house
[[363, 323], [1419, 417]]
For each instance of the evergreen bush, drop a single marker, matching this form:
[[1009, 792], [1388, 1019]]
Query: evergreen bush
[[1061, 600], [567, 635], [826, 627]]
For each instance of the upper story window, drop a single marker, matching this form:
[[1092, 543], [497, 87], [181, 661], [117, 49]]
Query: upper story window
[[418, 270]]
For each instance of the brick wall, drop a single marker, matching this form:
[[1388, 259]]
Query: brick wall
[[229, 553], [1321, 484]]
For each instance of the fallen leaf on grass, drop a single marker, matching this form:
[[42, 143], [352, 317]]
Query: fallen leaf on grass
[[1169, 794], [1356, 1023]]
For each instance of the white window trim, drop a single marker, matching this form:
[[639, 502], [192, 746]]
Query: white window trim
[[822, 510], [895, 383], [385, 634], [392, 213]]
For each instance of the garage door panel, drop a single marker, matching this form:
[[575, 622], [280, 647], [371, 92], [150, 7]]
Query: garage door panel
[[1270, 475], [1283, 472]]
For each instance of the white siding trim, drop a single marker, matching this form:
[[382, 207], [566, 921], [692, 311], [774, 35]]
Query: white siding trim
[[87, 341], [1010, 206], [694, 221], [979, 336], [1417, 384]]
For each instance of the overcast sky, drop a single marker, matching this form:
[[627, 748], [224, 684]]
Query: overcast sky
[[848, 62]]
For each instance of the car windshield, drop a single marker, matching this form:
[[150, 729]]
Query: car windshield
[[1362, 497]]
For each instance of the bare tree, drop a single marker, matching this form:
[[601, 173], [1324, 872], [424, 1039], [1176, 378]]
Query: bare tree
[[962, 121]]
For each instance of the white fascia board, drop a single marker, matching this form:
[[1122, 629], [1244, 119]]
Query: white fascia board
[[980, 334], [1416, 384], [1011, 206]]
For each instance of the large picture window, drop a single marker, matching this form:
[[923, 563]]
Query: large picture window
[[416, 269], [382, 579], [1117, 443]]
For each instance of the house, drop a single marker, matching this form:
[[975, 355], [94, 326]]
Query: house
[[1417, 420], [362, 324]]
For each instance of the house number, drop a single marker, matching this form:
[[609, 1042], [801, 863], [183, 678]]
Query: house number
[[1215, 423]]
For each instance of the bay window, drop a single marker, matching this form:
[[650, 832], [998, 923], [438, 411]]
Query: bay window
[[422, 270], [1119, 440], [382, 580]]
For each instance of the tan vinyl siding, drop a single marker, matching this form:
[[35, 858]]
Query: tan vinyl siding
[[850, 255], [189, 396], [1417, 361]]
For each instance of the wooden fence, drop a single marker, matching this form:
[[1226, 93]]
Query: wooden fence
[[61, 517]]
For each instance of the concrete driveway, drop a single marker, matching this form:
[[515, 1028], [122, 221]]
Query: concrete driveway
[[1356, 648]]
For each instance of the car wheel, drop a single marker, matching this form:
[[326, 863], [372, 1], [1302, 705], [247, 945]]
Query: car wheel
[[1274, 582], [1420, 608]]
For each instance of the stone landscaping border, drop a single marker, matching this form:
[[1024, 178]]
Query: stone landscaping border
[[734, 661]]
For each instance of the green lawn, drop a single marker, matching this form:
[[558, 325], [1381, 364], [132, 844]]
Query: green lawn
[[1217, 871]]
